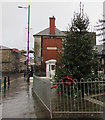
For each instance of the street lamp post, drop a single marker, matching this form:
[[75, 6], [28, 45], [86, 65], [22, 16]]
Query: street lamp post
[[27, 39]]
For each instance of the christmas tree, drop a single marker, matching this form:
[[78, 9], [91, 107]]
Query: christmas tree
[[78, 58]]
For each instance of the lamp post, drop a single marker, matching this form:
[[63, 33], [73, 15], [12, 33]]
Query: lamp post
[[27, 39]]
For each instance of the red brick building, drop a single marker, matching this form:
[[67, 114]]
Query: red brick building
[[48, 43]]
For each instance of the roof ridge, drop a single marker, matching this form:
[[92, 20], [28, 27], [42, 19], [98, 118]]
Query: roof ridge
[[4, 47], [46, 32]]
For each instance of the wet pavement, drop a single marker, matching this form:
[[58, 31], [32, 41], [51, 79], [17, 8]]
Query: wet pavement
[[11, 76], [0, 111], [18, 101]]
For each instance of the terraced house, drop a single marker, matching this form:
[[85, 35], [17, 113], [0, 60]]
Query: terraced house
[[10, 60], [48, 43]]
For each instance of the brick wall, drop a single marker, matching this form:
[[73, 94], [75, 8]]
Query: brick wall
[[51, 48]]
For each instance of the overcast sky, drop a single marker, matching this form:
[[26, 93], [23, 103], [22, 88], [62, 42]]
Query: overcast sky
[[14, 20]]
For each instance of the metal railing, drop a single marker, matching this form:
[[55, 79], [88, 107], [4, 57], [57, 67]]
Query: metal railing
[[67, 97], [83, 96]]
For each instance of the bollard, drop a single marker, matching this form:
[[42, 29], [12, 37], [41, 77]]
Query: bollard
[[4, 82], [8, 81], [31, 71], [28, 78], [0, 85], [24, 74]]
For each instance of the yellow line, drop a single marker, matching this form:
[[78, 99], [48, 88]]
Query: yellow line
[[7, 82]]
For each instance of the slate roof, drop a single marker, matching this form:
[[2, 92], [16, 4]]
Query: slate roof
[[45, 32], [4, 47]]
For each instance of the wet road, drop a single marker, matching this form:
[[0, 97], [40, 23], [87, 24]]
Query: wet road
[[19, 102]]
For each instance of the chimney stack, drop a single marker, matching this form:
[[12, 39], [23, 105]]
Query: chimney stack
[[52, 25]]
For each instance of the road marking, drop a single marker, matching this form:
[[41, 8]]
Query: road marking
[[10, 82]]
